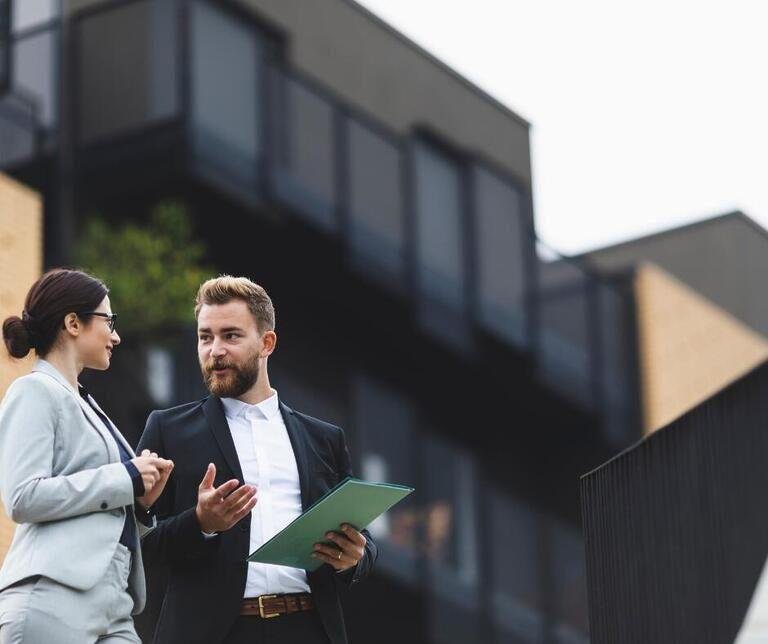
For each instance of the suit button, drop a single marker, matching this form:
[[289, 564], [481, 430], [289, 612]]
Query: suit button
[[103, 505]]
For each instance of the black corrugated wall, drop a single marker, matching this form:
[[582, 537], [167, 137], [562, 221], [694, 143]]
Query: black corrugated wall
[[676, 528]]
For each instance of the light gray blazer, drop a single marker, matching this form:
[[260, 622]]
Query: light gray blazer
[[62, 481]]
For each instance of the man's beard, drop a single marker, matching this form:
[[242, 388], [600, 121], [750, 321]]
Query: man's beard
[[236, 382]]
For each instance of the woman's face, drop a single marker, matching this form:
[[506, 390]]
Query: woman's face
[[96, 342]]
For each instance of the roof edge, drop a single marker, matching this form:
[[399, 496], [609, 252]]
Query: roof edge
[[714, 219], [438, 63]]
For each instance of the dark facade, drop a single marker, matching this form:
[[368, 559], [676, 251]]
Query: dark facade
[[413, 306]]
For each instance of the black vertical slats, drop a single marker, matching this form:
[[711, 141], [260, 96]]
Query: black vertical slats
[[676, 528]]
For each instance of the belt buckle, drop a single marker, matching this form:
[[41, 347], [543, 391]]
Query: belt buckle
[[261, 607]]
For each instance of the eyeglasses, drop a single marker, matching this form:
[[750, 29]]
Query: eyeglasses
[[110, 317]]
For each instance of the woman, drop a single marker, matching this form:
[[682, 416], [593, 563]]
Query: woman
[[73, 573]]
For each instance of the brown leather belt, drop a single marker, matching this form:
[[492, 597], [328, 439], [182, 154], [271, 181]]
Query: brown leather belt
[[275, 605]]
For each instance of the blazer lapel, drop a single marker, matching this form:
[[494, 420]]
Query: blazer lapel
[[98, 425], [297, 435], [217, 421], [116, 431]]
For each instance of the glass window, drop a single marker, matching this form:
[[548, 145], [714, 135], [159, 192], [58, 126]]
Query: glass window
[[135, 43], [305, 173], [617, 376], [565, 337], [387, 446], [449, 479], [502, 250], [569, 575], [28, 14], [226, 81], [376, 224], [5, 34], [17, 131], [34, 74], [439, 226], [514, 534]]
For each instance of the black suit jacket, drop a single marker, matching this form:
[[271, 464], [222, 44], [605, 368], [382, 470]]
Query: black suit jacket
[[207, 576]]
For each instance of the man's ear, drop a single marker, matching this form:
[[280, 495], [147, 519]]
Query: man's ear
[[72, 324], [270, 342]]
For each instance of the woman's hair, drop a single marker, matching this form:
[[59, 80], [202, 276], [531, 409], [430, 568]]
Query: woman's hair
[[56, 294]]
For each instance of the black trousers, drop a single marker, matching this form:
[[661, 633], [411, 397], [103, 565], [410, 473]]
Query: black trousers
[[297, 628]]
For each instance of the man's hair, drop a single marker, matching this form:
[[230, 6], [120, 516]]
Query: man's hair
[[224, 289]]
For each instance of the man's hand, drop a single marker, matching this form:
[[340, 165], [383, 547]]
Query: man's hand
[[218, 509], [350, 548], [154, 465]]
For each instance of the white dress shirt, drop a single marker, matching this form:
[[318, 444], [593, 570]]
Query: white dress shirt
[[268, 463]]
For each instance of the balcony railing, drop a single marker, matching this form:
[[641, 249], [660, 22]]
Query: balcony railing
[[446, 229]]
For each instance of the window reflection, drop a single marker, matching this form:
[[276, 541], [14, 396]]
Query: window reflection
[[135, 43], [516, 539], [616, 371], [17, 131], [450, 540], [34, 67], [5, 32], [568, 566], [502, 247], [388, 446], [305, 176], [28, 14], [439, 226], [564, 306], [226, 72], [375, 202]]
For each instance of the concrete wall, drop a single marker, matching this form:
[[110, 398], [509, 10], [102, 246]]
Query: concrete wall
[[689, 347], [724, 258], [344, 46], [21, 260], [375, 68]]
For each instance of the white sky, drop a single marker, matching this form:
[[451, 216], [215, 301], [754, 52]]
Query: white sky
[[645, 115]]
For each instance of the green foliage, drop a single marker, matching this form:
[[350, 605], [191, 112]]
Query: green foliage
[[152, 271]]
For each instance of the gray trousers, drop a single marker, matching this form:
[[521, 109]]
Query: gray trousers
[[41, 611]]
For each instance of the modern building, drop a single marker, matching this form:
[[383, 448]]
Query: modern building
[[385, 203], [702, 320]]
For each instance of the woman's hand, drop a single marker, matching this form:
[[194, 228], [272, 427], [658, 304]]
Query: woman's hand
[[154, 474]]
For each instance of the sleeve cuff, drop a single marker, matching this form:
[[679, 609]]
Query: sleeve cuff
[[136, 480], [147, 517]]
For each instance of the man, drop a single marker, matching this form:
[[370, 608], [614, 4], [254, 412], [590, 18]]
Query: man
[[261, 464]]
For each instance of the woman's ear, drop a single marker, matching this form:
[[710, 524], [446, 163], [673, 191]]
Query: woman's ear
[[72, 324]]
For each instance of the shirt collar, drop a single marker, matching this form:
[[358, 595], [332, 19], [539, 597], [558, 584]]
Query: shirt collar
[[266, 409]]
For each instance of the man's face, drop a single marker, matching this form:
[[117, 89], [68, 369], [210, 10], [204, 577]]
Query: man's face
[[229, 348]]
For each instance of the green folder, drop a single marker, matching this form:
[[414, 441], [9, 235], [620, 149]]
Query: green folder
[[352, 501]]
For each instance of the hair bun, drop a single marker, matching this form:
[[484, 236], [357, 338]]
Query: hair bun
[[16, 336]]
